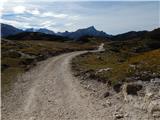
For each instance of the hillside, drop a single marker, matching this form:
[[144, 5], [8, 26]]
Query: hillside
[[130, 35], [137, 34], [123, 61], [9, 30], [36, 36]]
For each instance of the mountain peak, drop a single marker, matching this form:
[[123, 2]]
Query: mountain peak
[[90, 31], [91, 27]]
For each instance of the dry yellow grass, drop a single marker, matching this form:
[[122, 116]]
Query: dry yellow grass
[[120, 62]]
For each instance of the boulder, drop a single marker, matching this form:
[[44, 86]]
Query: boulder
[[27, 61], [117, 87], [106, 94], [132, 89]]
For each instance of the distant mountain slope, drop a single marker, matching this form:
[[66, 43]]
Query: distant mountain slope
[[9, 30], [129, 35], [90, 31], [153, 38], [42, 30], [36, 36], [46, 31], [79, 34], [140, 43], [30, 30], [154, 34], [66, 33]]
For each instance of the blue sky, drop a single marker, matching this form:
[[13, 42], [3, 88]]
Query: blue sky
[[113, 17]]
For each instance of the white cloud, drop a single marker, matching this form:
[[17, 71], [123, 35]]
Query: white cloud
[[60, 15], [3, 1], [1, 10], [19, 9], [22, 9], [35, 12], [52, 14], [74, 17], [47, 14]]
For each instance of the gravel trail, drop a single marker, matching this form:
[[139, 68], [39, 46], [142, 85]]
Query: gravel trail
[[50, 92]]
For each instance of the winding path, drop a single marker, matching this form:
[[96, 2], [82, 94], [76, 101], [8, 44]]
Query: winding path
[[49, 92]]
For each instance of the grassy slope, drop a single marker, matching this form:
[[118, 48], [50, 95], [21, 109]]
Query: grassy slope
[[132, 59], [14, 63]]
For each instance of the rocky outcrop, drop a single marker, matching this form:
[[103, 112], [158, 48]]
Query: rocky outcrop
[[131, 100]]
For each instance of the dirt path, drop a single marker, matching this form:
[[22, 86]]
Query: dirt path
[[49, 92]]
